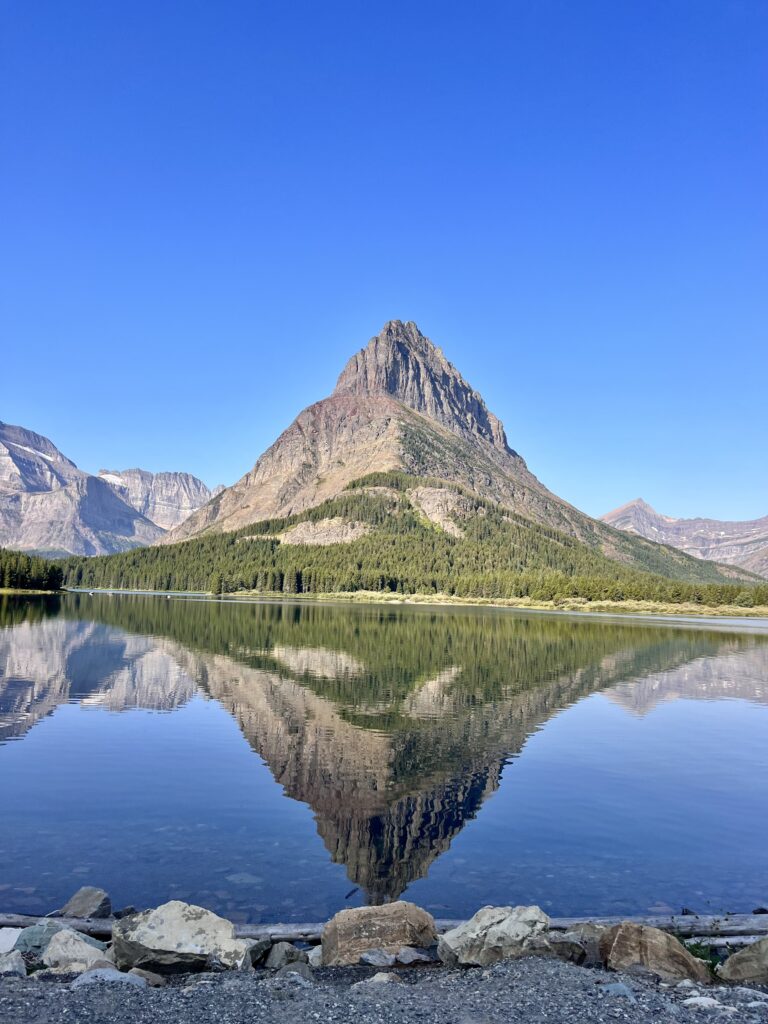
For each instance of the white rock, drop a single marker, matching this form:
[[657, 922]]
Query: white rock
[[68, 949], [315, 956], [178, 937], [8, 938], [493, 934], [703, 1003], [12, 964]]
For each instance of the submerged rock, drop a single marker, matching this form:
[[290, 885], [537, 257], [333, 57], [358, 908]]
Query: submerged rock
[[749, 964], [88, 902], [639, 948], [390, 927], [178, 937], [12, 964], [493, 934]]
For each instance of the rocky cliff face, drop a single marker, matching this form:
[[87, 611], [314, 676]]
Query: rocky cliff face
[[48, 504], [744, 544], [166, 499]]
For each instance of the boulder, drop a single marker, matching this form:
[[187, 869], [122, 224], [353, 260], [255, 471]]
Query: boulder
[[588, 935], [315, 956], [351, 932], [296, 967], [282, 954], [8, 937], [36, 937], [557, 944], [87, 902], [178, 937], [258, 949], [72, 951], [637, 948], [12, 965], [152, 979], [408, 956], [108, 976], [377, 958], [749, 964], [493, 934]]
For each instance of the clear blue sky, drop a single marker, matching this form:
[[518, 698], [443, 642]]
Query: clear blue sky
[[208, 205]]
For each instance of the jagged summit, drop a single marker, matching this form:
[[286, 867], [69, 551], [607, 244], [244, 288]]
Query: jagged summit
[[402, 362]]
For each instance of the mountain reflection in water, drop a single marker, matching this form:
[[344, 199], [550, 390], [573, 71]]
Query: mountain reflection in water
[[393, 725]]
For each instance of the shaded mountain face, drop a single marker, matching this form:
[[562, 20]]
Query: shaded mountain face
[[166, 499], [400, 406], [47, 504], [744, 544]]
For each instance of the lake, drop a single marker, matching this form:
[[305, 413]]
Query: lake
[[281, 761]]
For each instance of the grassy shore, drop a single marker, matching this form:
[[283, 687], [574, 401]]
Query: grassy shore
[[566, 604]]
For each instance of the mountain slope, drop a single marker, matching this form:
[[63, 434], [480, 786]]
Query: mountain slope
[[47, 504], [166, 499], [400, 406], [743, 544]]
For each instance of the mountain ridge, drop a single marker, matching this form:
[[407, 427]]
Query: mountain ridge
[[732, 542]]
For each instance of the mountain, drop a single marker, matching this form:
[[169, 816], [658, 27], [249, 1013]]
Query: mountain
[[743, 544], [49, 505], [399, 407], [166, 499]]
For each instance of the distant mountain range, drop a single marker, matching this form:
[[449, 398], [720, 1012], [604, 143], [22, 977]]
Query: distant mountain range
[[48, 505], [744, 544]]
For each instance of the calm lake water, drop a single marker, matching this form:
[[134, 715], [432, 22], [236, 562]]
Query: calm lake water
[[277, 761]]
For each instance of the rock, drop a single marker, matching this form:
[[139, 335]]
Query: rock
[[389, 927], [493, 934], [587, 935], [108, 976], [702, 1003], [87, 902], [618, 988], [282, 954], [315, 956], [636, 947], [125, 911], [408, 956], [36, 937], [178, 937], [69, 949], [296, 967], [377, 958], [749, 964], [12, 964], [558, 945], [152, 979], [258, 949], [8, 937]]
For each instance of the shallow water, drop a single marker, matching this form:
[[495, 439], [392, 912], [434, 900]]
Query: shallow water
[[278, 761]]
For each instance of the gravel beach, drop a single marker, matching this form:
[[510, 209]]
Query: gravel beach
[[531, 991]]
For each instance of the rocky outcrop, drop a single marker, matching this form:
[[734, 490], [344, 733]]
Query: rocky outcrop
[[178, 937], [49, 505], [744, 544], [390, 927], [749, 965], [166, 499], [638, 948], [73, 951], [493, 934]]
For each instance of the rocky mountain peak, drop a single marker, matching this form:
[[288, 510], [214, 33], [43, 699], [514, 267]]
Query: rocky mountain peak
[[402, 362]]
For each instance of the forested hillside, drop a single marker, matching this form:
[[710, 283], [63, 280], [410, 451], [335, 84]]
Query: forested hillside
[[19, 571], [480, 549]]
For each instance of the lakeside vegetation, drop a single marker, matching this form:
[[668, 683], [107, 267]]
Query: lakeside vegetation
[[20, 571], [499, 556]]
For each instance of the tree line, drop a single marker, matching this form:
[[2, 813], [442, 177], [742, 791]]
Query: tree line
[[20, 571]]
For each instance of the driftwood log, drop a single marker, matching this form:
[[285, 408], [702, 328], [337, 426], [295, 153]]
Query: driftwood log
[[726, 930]]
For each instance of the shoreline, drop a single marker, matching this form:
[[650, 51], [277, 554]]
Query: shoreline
[[642, 611]]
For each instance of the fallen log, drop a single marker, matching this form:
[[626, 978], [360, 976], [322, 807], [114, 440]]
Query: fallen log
[[727, 929]]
